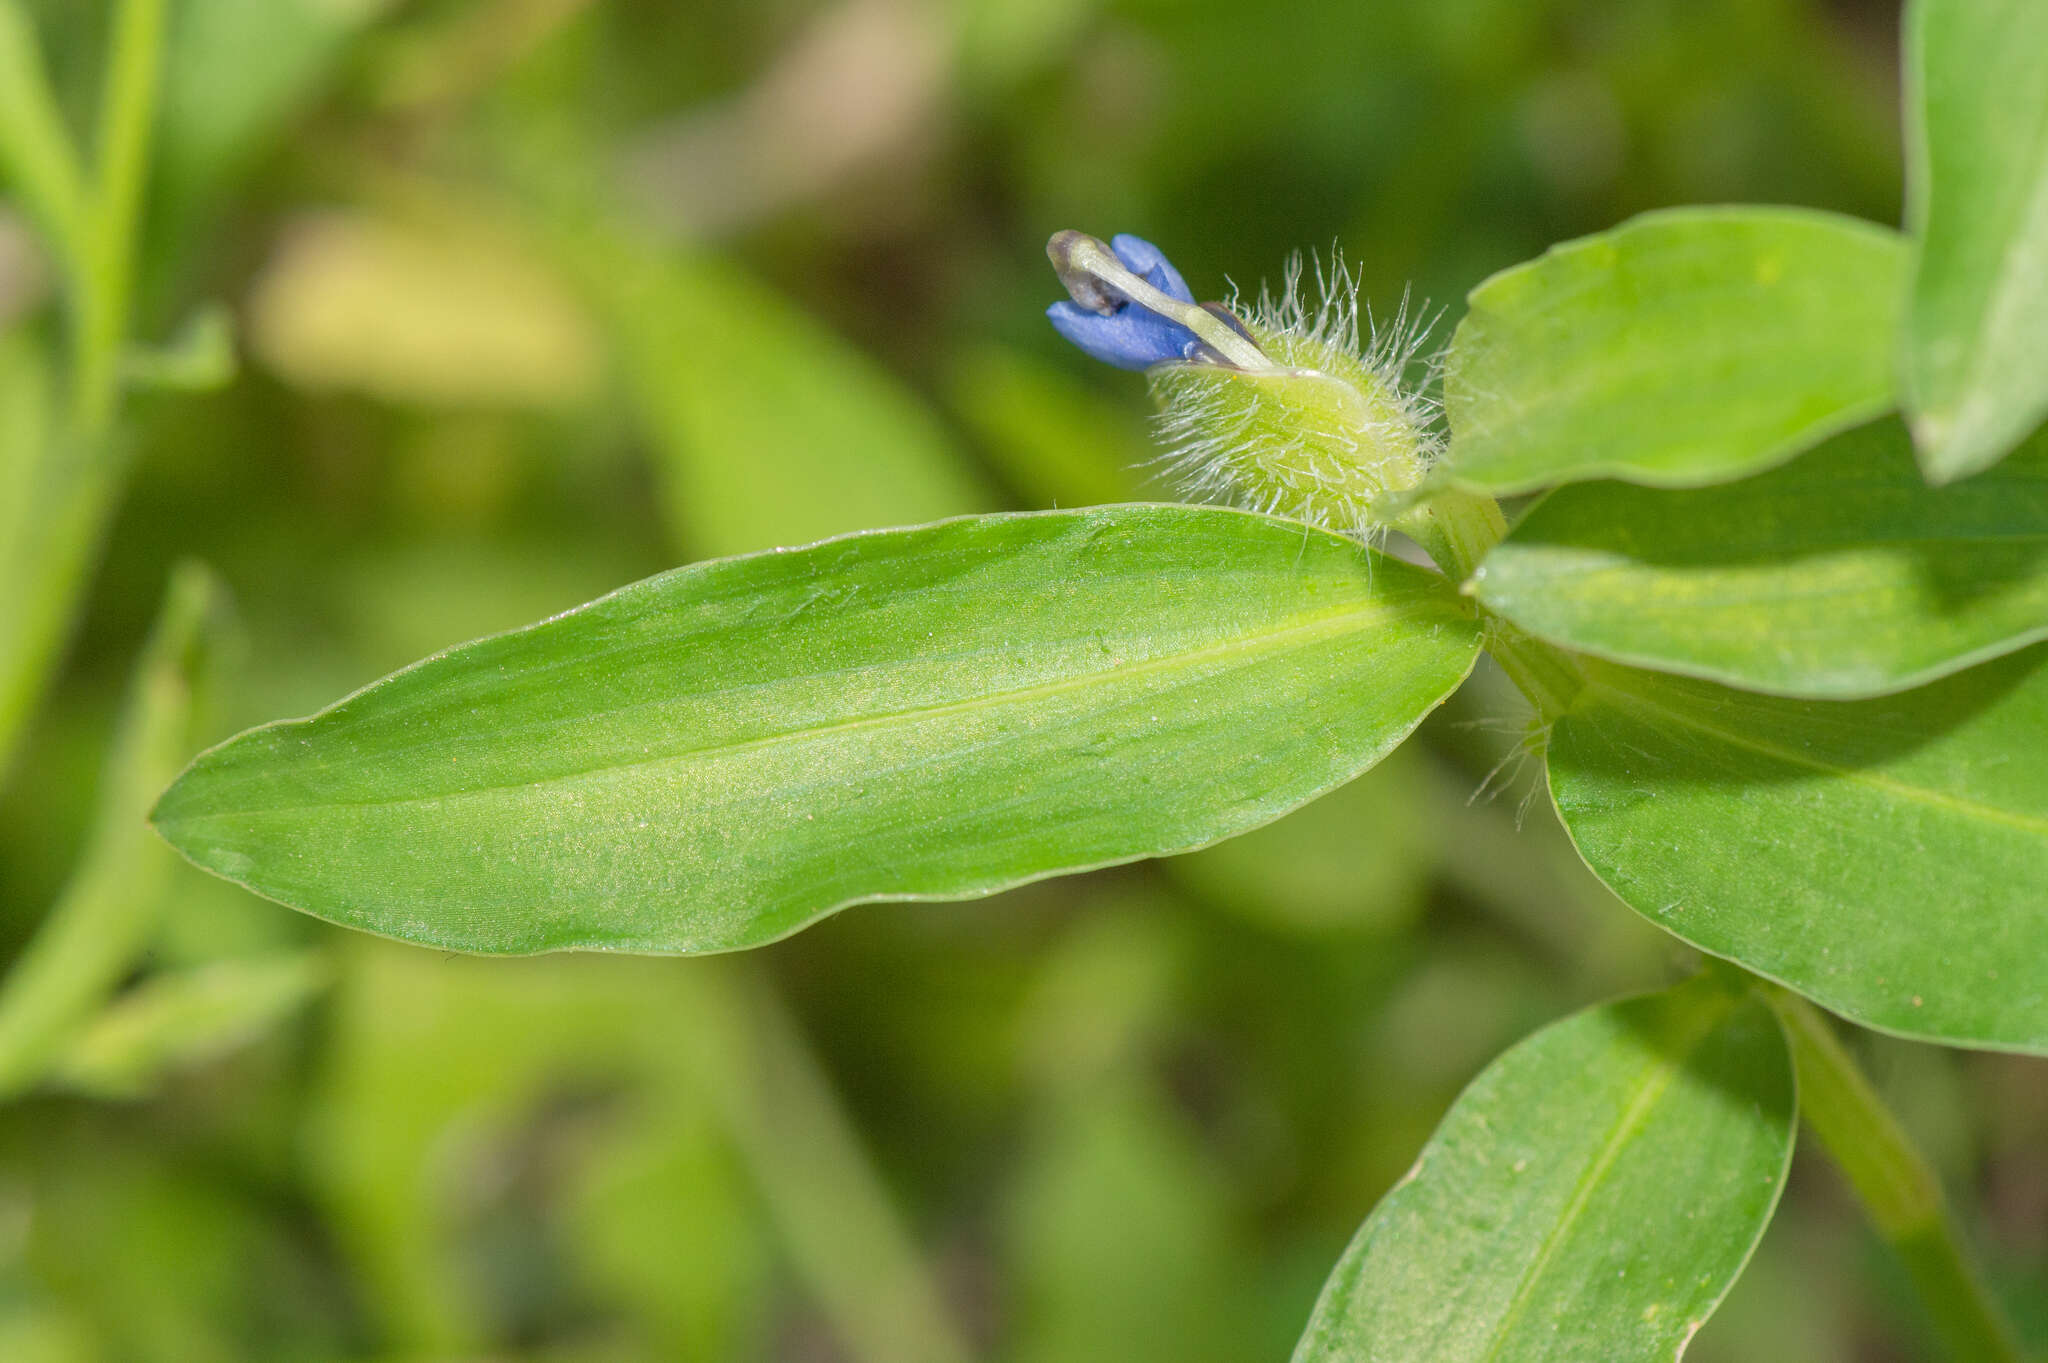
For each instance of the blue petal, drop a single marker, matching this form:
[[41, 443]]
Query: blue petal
[[1150, 264], [1129, 338]]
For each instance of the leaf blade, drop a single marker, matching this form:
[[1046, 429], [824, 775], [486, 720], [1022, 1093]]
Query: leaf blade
[[1683, 348], [1544, 1222], [1839, 576], [1976, 324], [1798, 838], [714, 757]]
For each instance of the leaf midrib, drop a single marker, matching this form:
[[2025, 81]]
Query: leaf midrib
[[1308, 630], [1653, 1080]]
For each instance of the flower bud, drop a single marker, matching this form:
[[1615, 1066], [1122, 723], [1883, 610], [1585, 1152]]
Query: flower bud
[[1283, 412], [1323, 434]]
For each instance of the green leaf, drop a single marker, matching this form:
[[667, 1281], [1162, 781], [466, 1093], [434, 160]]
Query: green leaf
[[1592, 1195], [770, 429], [716, 1122], [1884, 857], [1977, 204], [717, 756], [1682, 348], [200, 358], [1838, 576], [221, 106]]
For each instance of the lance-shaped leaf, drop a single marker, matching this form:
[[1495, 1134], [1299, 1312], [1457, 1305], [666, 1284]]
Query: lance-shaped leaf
[[1977, 203], [1592, 1195], [1886, 858], [1838, 576], [1682, 348], [718, 755]]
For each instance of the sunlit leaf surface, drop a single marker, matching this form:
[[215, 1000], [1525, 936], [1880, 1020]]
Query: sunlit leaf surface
[[716, 756], [1682, 348], [1840, 575], [1885, 857], [1977, 177]]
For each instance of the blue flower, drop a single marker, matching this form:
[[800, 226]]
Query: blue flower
[[1112, 328]]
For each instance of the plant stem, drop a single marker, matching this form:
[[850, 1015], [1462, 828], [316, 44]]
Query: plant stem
[[127, 110], [101, 921], [1899, 1191], [838, 1224], [1456, 529], [91, 231], [36, 155]]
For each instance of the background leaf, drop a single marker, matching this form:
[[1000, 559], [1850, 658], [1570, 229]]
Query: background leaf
[[1840, 575], [1977, 204], [235, 73], [770, 429], [185, 1017], [713, 757], [426, 308], [1593, 1194], [1883, 857], [1056, 441], [104, 918], [1684, 347]]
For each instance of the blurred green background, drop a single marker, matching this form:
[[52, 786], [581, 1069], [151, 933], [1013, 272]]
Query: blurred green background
[[537, 297]]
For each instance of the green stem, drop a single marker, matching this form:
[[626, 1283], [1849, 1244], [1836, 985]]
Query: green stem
[[127, 110], [1550, 677], [36, 155], [837, 1221], [46, 562], [1456, 529], [92, 231], [1899, 1191], [103, 918]]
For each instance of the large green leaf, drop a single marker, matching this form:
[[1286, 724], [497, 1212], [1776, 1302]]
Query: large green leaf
[[1977, 203], [1888, 858], [1592, 1195], [1682, 348], [1840, 575], [718, 755]]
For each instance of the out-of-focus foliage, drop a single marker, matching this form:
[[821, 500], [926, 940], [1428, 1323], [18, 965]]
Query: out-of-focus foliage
[[538, 297]]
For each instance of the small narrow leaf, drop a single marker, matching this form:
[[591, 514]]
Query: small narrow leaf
[[1884, 857], [716, 756], [183, 1018], [1592, 1195], [1682, 348], [101, 922], [1839, 576], [1977, 204]]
